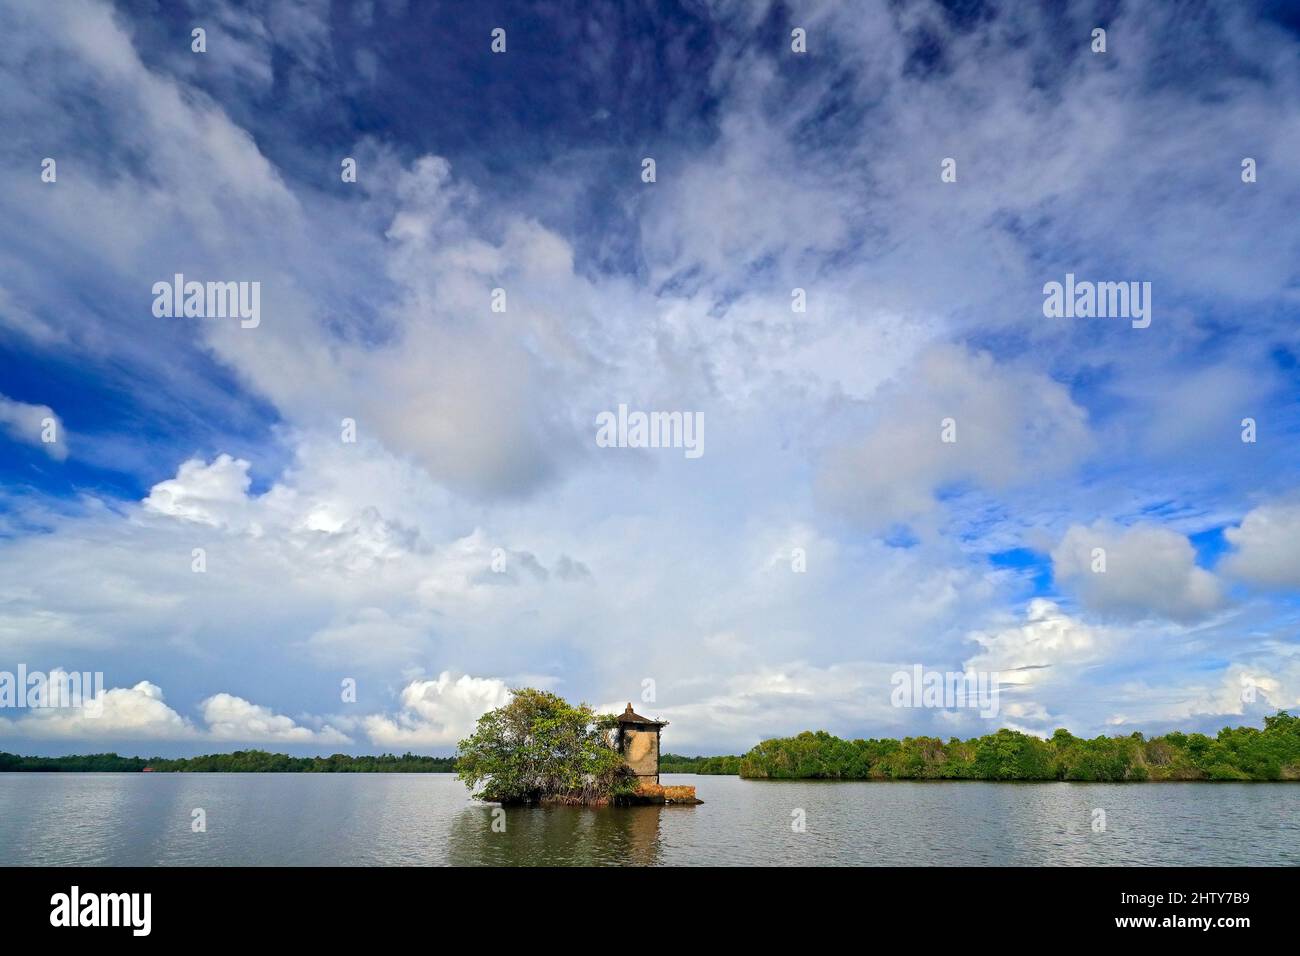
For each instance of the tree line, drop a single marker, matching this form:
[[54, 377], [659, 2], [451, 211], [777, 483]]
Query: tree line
[[241, 761], [575, 749], [1240, 753], [675, 763]]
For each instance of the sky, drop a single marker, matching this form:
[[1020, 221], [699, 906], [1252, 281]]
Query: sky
[[355, 523]]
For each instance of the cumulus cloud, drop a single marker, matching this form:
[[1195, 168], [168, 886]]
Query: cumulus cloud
[[213, 494], [1267, 546], [136, 713], [1148, 571], [315, 564], [1242, 687], [141, 713], [233, 718], [443, 379], [1009, 426], [1047, 664], [773, 700], [1022, 654], [30, 424], [437, 712], [1240, 690]]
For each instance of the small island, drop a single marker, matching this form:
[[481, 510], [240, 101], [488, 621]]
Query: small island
[[539, 749]]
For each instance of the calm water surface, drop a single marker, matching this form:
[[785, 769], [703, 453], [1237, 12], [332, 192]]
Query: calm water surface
[[430, 819]]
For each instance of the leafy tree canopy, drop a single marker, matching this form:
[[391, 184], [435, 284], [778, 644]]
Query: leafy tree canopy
[[1241, 753], [540, 747]]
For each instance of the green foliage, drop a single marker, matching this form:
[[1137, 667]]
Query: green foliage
[[241, 761], [1242, 753], [1108, 758], [675, 763], [83, 763], [539, 747], [1009, 755]]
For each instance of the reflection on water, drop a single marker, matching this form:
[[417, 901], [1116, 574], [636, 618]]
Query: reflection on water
[[430, 819], [553, 836]]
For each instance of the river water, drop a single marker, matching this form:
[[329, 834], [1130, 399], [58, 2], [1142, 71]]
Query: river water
[[430, 819]]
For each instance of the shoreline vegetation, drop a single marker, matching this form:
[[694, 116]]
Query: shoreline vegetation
[[538, 774], [712, 766], [241, 761], [1241, 753]]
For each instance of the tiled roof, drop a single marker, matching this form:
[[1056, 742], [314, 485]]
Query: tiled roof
[[628, 717]]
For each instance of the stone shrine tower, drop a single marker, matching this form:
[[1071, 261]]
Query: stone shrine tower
[[637, 739]]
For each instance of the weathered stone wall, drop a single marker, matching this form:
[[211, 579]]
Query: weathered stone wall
[[641, 751]]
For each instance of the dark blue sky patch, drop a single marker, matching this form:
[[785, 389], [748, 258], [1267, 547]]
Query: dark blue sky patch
[[1035, 568]]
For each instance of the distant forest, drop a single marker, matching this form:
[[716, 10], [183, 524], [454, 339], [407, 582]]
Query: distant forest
[[1240, 753], [674, 763], [241, 761]]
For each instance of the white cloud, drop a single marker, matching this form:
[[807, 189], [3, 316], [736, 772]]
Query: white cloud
[[1049, 666], [135, 713], [1240, 690], [1149, 571], [1267, 546], [371, 635], [1012, 426], [233, 718], [141, 713], [24, 626], [741, 708], [214, 494], [30, 423], [1034, 652], [20, 319], [437, 712]]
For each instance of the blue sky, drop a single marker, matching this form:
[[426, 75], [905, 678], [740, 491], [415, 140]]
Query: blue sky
[[475, 537]]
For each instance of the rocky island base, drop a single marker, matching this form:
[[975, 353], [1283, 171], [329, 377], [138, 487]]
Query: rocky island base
[[653, 794]]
